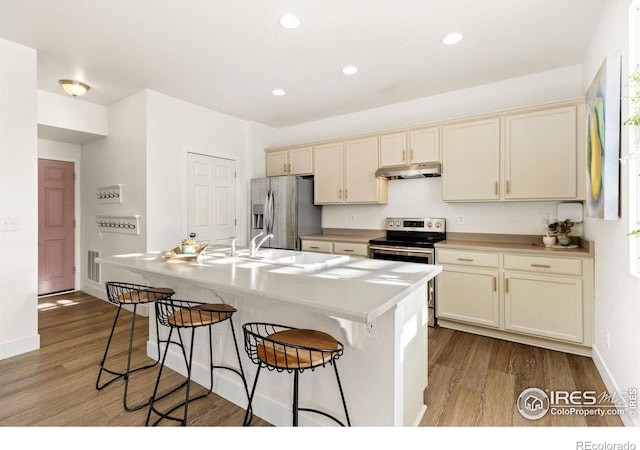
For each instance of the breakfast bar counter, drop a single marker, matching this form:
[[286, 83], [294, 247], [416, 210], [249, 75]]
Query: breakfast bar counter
[[376, 308]]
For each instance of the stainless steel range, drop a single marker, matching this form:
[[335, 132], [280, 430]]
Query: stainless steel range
[[412, 240]]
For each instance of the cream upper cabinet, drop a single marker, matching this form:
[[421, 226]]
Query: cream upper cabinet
[[471, 161], [360, 165], [345, 173], [328, 185], [294, 161], [277, 163], [540, 154], [409, 147]]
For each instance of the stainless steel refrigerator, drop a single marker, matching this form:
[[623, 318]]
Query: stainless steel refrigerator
[[283, 206]]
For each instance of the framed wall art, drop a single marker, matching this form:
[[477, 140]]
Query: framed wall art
[[603, 141]]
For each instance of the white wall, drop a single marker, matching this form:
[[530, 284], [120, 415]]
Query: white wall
[[18, 200], [174, 128], [423, 197], [119, 158], [70, 113], [617, 292]]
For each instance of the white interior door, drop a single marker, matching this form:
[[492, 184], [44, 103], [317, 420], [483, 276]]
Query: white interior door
[[211, 198]]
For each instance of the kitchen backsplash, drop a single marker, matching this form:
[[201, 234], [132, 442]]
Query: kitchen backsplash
[[423, 198]]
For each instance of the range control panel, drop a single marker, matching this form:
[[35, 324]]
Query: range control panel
[[416, 224]]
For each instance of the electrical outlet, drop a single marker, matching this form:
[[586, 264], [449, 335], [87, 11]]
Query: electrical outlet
[[607, 339], [460, 220], [354, 218]]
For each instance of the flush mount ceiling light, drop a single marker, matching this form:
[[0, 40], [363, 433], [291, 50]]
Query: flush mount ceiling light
[[278, 92], [349, 70], [289, 21], [452, 38], [74, 88]]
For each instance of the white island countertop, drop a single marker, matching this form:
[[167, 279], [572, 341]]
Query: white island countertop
[[344, 287]]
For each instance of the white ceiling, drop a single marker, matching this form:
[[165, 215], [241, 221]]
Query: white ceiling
[[228, 55]]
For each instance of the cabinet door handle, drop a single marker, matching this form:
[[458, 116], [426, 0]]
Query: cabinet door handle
[[495, 189], [508, 187], [506, 285], [348, 250], [544, 266], [340, 193], [289, 169], [285, 167], [315, 247], [466, 259], [495, 284], [346, 194], [411, 155], [404, 155]]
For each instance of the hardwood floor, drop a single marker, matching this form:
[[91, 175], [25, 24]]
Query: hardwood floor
[[473, 380], [476, 380]]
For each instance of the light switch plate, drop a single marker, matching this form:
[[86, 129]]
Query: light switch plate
[[9, 224]]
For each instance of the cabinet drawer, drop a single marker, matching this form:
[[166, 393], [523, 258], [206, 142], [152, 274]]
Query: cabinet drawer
[[543, 264], [465, 258], [317, 246], [351, 248]]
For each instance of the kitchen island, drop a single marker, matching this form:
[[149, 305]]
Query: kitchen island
[[376, 308]]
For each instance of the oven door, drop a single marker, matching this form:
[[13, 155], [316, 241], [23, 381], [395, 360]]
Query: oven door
[[415, 255]]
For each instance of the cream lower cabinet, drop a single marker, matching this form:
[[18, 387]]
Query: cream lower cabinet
[[337, 247], [469, 295], [544, 305], [534, 299]]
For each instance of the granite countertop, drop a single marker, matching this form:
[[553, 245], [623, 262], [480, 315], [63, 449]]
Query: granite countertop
[[515, 243], [346, 235]]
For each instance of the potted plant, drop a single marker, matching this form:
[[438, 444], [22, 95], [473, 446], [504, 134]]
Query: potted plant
[[188, 246], [562, 230]]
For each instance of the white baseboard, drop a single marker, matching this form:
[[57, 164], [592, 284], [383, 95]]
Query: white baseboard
[[612, 386], [14, 348]]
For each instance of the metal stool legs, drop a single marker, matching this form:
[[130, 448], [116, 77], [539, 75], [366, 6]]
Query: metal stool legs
[[295, 406], [124, 375], [188, 359]]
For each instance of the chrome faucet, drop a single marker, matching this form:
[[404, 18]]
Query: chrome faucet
[[253, 248]]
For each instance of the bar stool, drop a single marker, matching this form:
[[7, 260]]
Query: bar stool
[[182, 314], [280, 348], [121, 294]]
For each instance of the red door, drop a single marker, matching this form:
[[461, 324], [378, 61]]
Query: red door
[[55, 226]]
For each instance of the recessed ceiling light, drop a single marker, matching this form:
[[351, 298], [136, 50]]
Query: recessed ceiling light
[[452, 38], [350, 70], [289, 21], [278, 92]]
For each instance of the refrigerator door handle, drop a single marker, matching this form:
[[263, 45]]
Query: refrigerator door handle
[[271, 212], [265, 220]]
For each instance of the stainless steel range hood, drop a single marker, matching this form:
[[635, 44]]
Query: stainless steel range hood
[[431, 169]]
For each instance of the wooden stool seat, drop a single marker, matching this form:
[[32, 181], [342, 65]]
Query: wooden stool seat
[[144, 295], [200, 315], [297, 349]]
